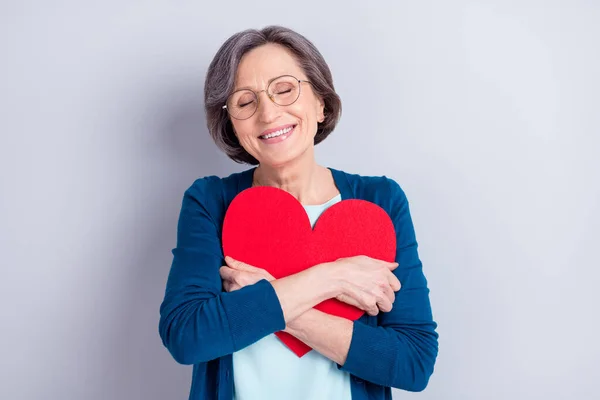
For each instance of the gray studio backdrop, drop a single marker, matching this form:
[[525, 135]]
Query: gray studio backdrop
[[486, 113]]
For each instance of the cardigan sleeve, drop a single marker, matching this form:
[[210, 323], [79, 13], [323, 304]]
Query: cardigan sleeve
[[198, 321], [401, 350]]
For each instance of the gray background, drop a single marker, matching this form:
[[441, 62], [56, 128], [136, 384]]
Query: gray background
[[486, 113]]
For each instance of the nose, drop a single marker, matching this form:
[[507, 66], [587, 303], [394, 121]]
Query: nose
[[267, 109]]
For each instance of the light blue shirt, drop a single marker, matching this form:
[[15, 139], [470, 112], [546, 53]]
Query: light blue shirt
[[268, 370]]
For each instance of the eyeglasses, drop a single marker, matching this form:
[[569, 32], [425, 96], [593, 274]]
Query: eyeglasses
[[283, 91]]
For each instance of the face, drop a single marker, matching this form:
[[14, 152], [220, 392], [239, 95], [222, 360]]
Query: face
[[298, 121]]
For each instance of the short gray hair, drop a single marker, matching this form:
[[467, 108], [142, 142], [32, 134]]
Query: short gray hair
[[220, 80]]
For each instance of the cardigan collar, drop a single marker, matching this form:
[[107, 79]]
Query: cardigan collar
[[339, 177]]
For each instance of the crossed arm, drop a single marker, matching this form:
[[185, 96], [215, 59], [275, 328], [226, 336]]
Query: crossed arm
[[327, 334], [199, 322]]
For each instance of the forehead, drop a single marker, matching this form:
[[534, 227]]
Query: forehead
[[266, 62]]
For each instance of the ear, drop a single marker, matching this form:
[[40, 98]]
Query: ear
[[320, 110]]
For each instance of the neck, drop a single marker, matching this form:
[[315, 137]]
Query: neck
[[301, 179]]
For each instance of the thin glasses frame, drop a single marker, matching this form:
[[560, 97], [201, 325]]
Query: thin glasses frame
[[269, 95]]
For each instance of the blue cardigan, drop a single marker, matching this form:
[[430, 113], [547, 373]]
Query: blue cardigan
[[202, 325]]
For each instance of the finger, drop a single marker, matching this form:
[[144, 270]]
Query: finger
[[391, 265], [242, 266], [369, 302], [384, 303], [233, 263], [227, 273], [349, 300], [388, 292], [372, 310], [394, 282], [268, 277], [369, 305], [357, 298], [226, 286], [384, 306]]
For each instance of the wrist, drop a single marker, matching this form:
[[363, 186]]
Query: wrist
[[329, 281], [292, 326], [295, 327]]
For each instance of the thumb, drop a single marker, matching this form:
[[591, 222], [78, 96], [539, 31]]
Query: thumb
[[238, 264]]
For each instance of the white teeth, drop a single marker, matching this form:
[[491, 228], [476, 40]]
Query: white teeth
[[277, 133]]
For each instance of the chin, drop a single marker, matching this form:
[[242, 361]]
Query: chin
[[282, 161]]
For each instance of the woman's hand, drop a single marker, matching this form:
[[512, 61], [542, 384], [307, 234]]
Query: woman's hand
[[361, 281], [237, 274], [365, 282]]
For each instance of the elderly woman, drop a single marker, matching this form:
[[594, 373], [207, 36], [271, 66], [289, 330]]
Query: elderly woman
[[269, 100]]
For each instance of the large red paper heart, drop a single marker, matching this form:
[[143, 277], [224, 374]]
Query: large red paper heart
[[268, 228]]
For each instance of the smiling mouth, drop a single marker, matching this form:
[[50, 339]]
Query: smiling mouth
[[278, 133]]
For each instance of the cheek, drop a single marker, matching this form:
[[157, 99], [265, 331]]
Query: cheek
[[243, 130], [307, 113]]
